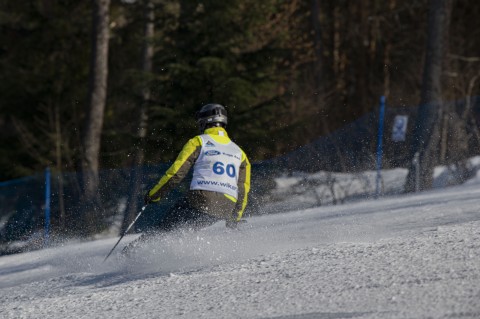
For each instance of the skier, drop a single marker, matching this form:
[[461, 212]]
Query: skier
[[220, 183]]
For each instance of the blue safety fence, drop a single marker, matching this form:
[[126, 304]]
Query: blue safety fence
[[353, 147], [22, 206], [27, 218]]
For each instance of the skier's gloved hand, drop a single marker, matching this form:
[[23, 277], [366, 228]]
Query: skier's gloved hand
[[147, 199]]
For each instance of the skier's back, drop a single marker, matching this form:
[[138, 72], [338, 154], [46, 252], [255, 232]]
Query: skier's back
[[221, 177]]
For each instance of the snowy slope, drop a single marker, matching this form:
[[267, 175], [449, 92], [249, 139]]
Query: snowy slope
[[414, 256]]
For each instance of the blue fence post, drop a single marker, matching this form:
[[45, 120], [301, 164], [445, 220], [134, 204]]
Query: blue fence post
[[380, 145], [47, 206]]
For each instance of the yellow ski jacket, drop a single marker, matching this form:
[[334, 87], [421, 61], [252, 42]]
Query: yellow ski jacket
[[213, 203]]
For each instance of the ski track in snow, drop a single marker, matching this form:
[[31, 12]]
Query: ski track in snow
[[414, 256]]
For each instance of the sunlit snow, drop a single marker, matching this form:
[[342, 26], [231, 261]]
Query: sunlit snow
[[400, 256]]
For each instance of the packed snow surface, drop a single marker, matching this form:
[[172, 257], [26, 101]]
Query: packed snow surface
[[415, 256]]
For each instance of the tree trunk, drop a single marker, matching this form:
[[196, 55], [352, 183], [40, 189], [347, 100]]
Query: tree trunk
[[361, 56], [317, 66], [427, 130], [318, 49], [97, 94], [58, 155], [147, 66]]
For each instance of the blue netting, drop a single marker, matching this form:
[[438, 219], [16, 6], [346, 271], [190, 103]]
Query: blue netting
[[22, 201]]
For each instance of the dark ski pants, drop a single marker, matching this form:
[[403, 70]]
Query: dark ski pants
[[181, 216]]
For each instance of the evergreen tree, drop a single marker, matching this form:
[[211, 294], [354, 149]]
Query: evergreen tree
[[233, 53]]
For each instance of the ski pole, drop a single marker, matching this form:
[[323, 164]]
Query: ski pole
[[125, 232]]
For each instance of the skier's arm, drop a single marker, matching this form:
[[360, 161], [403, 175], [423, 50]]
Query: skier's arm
[[243, 187], [177, 172]]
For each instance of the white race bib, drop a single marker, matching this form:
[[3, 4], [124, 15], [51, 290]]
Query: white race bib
[[216, 169]]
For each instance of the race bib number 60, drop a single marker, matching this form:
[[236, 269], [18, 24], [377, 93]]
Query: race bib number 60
[[219, 168]]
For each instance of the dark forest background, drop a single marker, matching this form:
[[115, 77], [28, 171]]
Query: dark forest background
[[102, 91], [288, 72]]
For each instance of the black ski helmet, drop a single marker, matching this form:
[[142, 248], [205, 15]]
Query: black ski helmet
[[210, 114]]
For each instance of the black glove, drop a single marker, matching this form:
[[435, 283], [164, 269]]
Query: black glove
[[147, 199]]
